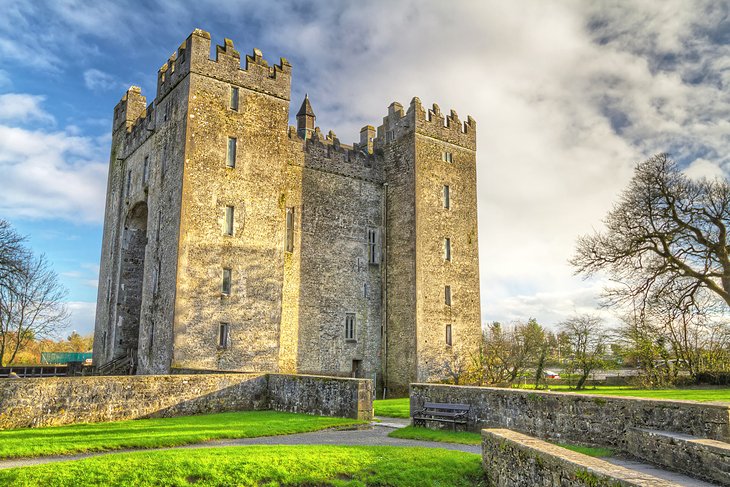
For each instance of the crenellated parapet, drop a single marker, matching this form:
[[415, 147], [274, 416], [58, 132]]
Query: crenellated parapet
[[130, 108], [432, 123], [327, 153], [425, 121], [256, 74]]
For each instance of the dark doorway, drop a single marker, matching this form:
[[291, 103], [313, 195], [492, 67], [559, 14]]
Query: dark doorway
[[131, 281], [357, 368]]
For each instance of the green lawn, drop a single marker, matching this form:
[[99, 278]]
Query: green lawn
[[262, 466], [447, 436], [393, 408], [686, 394], [158, 432]]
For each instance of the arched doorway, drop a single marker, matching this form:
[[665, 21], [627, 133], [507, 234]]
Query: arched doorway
[[131, 281]]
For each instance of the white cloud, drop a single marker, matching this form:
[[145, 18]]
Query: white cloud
[[21, 107], [51, 175], [83, 314], [97, 80]]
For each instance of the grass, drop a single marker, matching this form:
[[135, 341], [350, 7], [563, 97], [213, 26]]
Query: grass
[[393, 408], [262, 466], [684, 394], [158, 432], [447, 436], [591, 451]]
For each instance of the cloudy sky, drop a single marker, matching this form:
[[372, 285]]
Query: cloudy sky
[[568, 96]]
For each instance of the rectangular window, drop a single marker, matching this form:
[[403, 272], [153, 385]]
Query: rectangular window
[[231, 157], [447, 197], [373, 247], [146, 171], [390, 135], [226, 285], [290, 229], [447, 295], [229, 220], [223, 335], [447, 249], [350, 326], [234, 98], [129, 183], [365, 291], [448, 334], [446, 157]]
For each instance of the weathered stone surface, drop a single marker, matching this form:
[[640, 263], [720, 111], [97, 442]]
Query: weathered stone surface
[[511, 459], [56, 401], [324, 396], [591, 419], [166, 243], [698, 457]]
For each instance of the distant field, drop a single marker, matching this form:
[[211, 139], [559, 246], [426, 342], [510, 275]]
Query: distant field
[[689, 394], [263, 466], [158, 432], [393, 408]]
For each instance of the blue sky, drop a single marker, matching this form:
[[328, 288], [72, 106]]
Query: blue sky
[[568, 96]]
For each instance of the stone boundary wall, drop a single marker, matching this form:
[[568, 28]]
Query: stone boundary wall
[[705, 459], [38, 402], [591, 419], [321, 395], [511, 459]]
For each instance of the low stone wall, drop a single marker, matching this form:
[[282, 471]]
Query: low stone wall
[[593, 419], [511, 459], [67, 400], [324, 396], [704, 459]]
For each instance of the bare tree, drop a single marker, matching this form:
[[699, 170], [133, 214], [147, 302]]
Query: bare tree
[[666, 237], [588, 340], [12, 251], [31, 306]]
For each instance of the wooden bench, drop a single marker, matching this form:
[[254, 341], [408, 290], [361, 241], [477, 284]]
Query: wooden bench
[[442, 413]]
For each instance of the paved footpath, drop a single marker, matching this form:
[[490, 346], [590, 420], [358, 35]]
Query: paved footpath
[[375, 436]]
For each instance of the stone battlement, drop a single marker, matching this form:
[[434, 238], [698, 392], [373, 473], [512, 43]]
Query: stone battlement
[[327, 153]]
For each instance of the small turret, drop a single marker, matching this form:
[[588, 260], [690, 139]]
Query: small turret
[[305, 119]]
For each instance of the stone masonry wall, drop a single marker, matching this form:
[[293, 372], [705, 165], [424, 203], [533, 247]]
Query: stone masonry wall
[[701, 458], [324, 396], [592, 419], [512, 459], [67, 400]]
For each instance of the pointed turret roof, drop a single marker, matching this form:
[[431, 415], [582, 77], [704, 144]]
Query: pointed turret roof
[[306, 108]]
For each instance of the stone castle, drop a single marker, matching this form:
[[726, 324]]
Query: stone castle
[[233, 241]]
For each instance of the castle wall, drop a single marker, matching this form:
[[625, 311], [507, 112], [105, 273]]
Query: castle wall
[[135, 303], [399, 352], [255, 188], [330, 263], [434, 223]]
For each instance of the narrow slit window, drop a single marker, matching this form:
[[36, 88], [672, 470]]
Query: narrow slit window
[[365, 290], [129, 183], [234, 98], [229, 220], [226, 284], [146, 172], [223, 329], [447, 156], [231, 157], [350, 326], [447, 249], [447, 197], [448, 335], [290, 229], [447, 295], [373, 250]]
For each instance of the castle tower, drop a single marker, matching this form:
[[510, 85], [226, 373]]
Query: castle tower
[[432, 267], [305, 119]]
